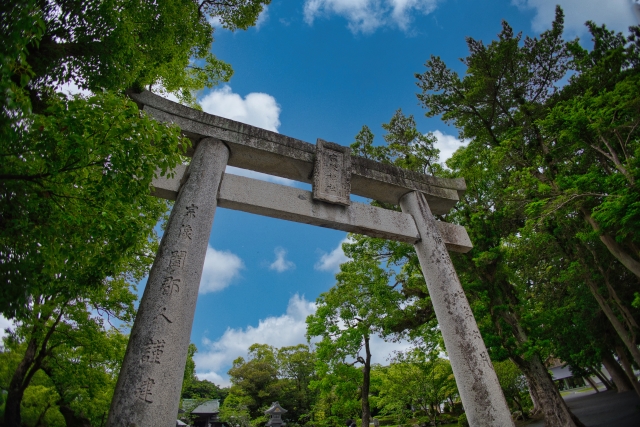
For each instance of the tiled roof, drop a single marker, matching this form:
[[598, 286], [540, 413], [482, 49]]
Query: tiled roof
[[208, 407]]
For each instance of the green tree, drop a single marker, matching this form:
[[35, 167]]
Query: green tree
[[380, 290], [39, 408], [511, 103], [513, 384], [74, 196], [108, 45], [270, 375], [561, 275], [338, 387], [296, 366], [569, 147], [189, 376], [52, 148], [416, 383], [499, 306], [254, 384], [65, 338], [405, 146], [75, 212], [349, 314]]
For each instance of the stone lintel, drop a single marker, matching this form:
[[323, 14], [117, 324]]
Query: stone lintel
[[279, 155], [293, 204]]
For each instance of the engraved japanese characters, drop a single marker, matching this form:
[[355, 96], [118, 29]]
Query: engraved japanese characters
[[332, 173]]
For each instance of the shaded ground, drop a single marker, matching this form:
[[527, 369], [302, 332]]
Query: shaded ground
[[604, 409]]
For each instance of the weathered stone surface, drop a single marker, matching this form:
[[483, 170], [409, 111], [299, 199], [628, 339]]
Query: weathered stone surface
[[150, 380], [293, 204], [332, 173], [275, 154], [481, 395]]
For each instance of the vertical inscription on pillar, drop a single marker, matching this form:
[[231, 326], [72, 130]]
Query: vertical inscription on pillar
[[145, 391], [153, 351], [176, 262], [332, 173], [170, 285]]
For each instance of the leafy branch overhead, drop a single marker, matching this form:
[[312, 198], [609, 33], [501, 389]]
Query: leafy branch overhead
[[113, 46]]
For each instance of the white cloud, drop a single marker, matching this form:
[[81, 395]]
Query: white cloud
[[4, 324], [447, 144], [285, 330], [365, 16], [256, 109], [215, 357], [281, 264], [262, 18], [220, 269], [331, 261], [616, 14]]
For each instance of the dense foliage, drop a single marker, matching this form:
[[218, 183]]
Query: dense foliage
[[77, 224], [267, 376]]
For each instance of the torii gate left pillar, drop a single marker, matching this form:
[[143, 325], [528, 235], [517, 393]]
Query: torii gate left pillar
[[148, 388]]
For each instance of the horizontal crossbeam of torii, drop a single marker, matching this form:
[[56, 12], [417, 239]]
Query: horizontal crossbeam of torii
[[148, 388]]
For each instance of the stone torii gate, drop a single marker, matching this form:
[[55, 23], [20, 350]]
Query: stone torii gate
[[148, 389]]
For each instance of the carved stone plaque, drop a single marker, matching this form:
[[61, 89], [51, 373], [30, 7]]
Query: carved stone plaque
[[332, 173]]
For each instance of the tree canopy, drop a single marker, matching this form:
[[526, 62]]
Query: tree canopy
[[77, 223]]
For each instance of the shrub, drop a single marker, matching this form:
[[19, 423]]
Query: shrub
[[462, 421]]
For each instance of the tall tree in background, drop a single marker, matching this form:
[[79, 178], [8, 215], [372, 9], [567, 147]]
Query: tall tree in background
[[349, 315], [379, 291], [297, 369], [570, 147], [500, 307], [269, 375], [417, 381]]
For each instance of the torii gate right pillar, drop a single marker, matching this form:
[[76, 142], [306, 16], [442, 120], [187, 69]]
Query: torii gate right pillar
[[481, 395]]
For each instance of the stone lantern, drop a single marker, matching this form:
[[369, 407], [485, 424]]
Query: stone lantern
[[275, 411]]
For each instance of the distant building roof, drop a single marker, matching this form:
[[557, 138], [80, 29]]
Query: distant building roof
[[208, 407], [560, 372], [180, 423]]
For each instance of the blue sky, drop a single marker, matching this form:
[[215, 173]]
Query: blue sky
[[322, 69]]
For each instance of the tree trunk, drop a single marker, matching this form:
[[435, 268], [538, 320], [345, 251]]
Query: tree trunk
[[613, 319], [603, 379], [614, 247], [29, 365], [366, 381], [517, 401], [17, 386], [617, 373], [533, 393], [624, 361], [591, 383], [555, 410], [72, 419]]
